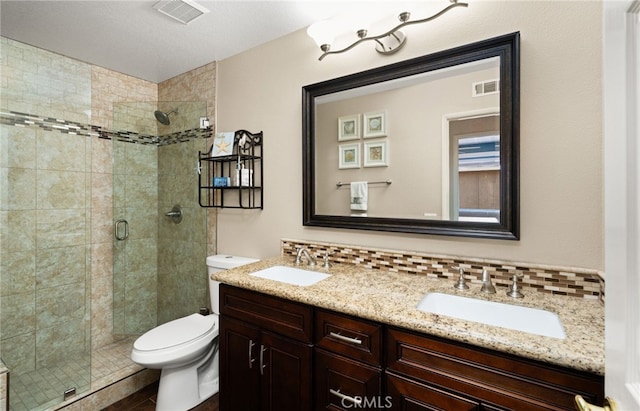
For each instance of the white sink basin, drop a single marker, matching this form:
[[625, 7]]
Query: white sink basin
[[514, 317], [291, 275]]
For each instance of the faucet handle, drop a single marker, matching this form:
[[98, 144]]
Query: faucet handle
[[514, 289], [326, 264], [461, 285]]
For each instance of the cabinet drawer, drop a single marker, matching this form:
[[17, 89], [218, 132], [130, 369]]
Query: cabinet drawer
[[288, 318], [501, 379], [343, 384], [351, 337], [405, 394]]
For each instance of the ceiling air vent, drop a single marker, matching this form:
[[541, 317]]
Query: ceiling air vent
[[483, 88], [185, 11]]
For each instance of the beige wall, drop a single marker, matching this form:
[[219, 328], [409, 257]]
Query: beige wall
[[561, 131]]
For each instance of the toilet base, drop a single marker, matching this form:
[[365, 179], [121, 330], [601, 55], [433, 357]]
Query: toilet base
[[185, 387]]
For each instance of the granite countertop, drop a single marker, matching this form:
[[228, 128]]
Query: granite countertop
[[391, 298]]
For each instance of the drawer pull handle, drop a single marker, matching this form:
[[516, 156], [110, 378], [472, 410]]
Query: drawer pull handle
[[343, 397], [251, 359], [347, 339], [262, 365]]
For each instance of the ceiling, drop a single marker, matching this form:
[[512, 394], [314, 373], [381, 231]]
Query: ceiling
[[133, 38]]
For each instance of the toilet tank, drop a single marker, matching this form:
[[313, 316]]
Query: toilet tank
[[217, 263]]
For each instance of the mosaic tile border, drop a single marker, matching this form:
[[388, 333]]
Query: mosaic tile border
[[572, 282], [13, 118]]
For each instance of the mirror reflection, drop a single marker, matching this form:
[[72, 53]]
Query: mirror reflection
[[428, 145]]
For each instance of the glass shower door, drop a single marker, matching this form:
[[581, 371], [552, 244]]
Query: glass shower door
[[45, 264], [135, 248], [159, 272]]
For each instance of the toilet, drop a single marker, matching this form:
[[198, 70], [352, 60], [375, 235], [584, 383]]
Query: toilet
[[186, 349]]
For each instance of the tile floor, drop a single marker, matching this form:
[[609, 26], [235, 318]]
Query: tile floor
[[145, 400], [108, 365], [42, 389]]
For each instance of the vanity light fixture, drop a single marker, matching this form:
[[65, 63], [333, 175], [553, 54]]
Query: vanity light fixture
[[386, 43]]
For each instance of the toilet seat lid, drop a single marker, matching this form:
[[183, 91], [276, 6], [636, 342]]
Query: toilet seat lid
[[176, 332]]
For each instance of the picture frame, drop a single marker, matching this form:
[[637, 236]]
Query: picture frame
[[375, 124], [222, 144], [349, 156], [349, 127], [375, 154]]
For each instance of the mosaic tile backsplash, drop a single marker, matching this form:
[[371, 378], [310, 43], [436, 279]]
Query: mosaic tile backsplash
[[569, 281]]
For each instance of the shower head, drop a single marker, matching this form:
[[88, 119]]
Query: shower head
[[163, 117]]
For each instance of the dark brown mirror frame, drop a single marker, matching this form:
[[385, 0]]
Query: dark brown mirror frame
[[507, 48]]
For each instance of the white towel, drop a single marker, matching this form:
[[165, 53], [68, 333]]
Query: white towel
[[359, 195]]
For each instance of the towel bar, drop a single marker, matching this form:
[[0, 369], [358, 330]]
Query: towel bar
[[387, 182]]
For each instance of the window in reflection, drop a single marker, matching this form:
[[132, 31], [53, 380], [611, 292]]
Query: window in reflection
[[475, 169]]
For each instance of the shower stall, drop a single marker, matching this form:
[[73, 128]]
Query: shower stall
[[155, 278], [58, 213]]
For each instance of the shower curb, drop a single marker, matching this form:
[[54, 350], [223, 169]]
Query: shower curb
[[101, 397]]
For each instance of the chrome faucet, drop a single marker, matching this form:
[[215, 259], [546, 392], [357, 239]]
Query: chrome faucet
[[302, 251], [461, 285], [514, 289], [487, 285]]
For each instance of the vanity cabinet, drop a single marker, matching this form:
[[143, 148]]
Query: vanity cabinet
[[348, 362], [233, 180], [276, 354], [265, 352], [432, 371]]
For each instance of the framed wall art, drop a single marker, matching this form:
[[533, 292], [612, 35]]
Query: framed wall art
[[375, 124], [349, 127], [375, 154], [349, 156]]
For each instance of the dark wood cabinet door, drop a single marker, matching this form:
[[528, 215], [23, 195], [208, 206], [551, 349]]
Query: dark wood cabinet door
[[344, 384], [408, 395], [286, 373], [239, 366]]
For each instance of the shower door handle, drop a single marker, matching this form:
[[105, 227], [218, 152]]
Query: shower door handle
[[116, 230]]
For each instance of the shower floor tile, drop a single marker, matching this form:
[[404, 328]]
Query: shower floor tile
[[43, 389]]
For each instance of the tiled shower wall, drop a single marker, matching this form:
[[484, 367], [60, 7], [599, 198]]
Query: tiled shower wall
[[183, 286]]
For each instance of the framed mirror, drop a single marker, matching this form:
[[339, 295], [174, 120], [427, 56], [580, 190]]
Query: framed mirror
[[428, 145]]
